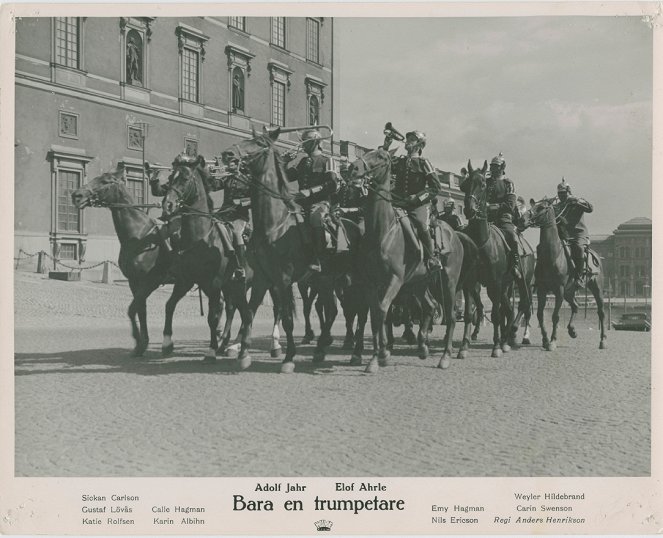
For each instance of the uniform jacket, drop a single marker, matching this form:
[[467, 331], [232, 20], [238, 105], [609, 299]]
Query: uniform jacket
[[316, 171], [573, 218], [412, 176], [502, 196]]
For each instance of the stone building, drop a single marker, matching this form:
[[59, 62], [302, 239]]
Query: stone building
[[94, 91], [627, 258]]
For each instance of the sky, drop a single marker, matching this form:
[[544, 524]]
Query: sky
[[558, 96]]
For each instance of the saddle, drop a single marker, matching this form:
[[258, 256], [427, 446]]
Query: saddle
[[592, 261], [525, 249]]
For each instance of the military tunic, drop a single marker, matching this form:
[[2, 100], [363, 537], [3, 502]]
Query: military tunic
[[319, 174], [573, 225], [502, 208]]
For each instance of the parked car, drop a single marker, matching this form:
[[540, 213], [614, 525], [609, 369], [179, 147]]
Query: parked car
[[636, 321]]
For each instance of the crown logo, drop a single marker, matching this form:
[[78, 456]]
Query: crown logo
[[323, 525]]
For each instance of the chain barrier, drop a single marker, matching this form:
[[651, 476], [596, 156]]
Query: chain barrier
[[45, 254]]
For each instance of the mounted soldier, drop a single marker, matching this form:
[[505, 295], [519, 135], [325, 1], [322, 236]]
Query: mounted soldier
[[449, 216], [573, 232], [414, 179], [348, 201], [317, 177], [502, 209]]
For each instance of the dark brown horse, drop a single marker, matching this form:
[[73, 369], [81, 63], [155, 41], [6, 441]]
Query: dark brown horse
[[203, 258], [553, 274], [391, 262], [278, 243], [494, 271], [142, 260]]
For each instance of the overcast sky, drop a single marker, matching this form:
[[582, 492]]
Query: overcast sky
[[559, 96]]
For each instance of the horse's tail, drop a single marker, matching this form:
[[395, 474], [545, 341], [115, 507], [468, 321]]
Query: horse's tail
[[288, 305]]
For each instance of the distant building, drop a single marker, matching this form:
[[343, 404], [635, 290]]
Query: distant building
[[627, 258], [94, 91]]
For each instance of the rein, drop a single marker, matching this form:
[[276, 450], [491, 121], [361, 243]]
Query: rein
[[95, 202]]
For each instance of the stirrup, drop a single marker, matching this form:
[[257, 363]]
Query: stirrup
[[315, 266], [239, 274], [433, 264]]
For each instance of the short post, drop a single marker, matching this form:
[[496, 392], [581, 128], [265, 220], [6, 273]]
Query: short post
[[107, 276], [200, 300], [609, 308], [41, 262]]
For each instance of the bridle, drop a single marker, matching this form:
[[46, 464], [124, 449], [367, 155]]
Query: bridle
[[94, 200], [479, 202]]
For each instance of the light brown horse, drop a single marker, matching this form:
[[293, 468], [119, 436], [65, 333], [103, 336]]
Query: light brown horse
[[553, 274], [392, 263], [142, 259]]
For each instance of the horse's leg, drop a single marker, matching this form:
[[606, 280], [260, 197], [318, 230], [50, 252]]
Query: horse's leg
[[408, 327], [379, 308], [570, 296], [275, 349], [447, 301], [362, 315], [348, 304], [307, 301], [213, 316], [258, 290], [559, 297], [541, 294], [495, 295], [526, 340], [180, 289], [467, 314], [478, 303], [507, 320], [389, 327], [287, 311], [239, 298], [229, 351], [135, 331], [424, 327], [328, 306], [598, 297]]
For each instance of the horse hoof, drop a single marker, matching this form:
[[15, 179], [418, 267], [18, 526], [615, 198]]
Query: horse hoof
[[552, 346], [167, 351], [526, 342], [275, 353], [474, 337], [572, 332], [318, 356], [373, 366], [244, 362], [308, 339], [497, 353], [385, 360], [462, 354], [232, 351], [137, 353], [423, 353], [355, 360], [348, 343], [445, 362], [603, 345], [506, 348], [287, 367]]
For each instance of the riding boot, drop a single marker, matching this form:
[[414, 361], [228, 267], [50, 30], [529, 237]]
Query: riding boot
[[579, 272], [240, 262], [319, 244], [443, 248], [515, 264], [432, 262]]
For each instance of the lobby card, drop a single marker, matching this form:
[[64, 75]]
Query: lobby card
[[533, 125]]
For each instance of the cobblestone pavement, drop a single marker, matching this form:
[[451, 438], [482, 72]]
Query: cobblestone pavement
[[84, 407]]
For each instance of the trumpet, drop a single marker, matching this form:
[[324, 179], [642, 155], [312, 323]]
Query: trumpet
[[391, 132], [307, 128]]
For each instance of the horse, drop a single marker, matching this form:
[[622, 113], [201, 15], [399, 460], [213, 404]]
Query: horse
[[230, 350], [494, 271], [553, 274], [279, 243], [204, 258], [392, 262], [142, 259]]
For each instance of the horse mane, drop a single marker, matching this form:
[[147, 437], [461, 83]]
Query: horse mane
[[265, 141]]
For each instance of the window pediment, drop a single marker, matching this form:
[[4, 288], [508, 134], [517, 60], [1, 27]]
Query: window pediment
[[239, 57]]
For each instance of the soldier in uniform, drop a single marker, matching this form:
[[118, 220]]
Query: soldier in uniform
[[572, 228], [414, 175], [502, 207], [236, 207], [349, 199], [317, 177], [449, 216]]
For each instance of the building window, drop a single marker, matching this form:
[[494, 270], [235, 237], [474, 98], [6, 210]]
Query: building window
[[278, 31], [67, 41], [278, 103], [237, 22], [68, 124], [68, 251], [313, 110], [191, 147], [238, 90], [313, 40], [136, 185], [69, 216], [190, 59]]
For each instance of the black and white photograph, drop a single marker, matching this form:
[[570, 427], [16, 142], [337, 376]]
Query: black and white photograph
[[307, 242]]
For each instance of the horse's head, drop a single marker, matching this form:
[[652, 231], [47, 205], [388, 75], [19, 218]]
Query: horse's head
[[541, 213], [474, 187], [373, 167], [185, 185], [251, 153], [108, 188]]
